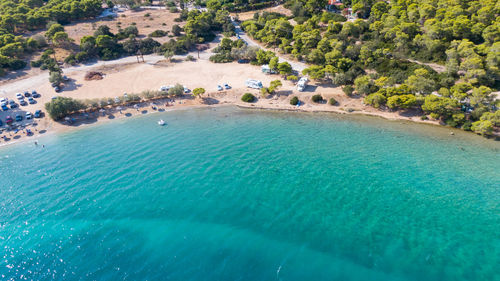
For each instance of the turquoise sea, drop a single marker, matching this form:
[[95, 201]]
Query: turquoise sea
[[230, 194]]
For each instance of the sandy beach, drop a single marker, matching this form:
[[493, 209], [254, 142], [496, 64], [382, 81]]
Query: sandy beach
[[126, 76]]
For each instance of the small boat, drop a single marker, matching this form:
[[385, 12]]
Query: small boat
[[161, 123]]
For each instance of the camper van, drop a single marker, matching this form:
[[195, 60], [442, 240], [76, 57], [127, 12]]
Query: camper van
[[255, 84], [302, 84], [267, 70]]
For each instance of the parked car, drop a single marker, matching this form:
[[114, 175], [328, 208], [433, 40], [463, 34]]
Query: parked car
[[57, 89], [31, 100], [19, 96], [227, 87], [27, 94], [38, 113], [3, 100], [219, 88], [54, 85], [9, 120], [4, 106], [19, 117], [12, 104], [1, 123], [65, 78], [35, 94], [186, 90], [28, 115], [243, 61], [23, 103]]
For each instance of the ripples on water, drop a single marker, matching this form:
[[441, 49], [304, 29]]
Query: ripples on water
[[228, 194]]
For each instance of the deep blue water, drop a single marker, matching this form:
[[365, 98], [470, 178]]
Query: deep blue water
[[231, 194]]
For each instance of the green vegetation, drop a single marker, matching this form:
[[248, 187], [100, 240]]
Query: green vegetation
[[177, 90], [229, 51], [17, 17], [317, 98], [332, 101], [62, 106], [158, 33], [197, 92], [273, 86], [294, 100], [369, 56], [247, 97]]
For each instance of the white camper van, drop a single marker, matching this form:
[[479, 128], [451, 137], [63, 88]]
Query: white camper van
[[302, 84], [254, 84]]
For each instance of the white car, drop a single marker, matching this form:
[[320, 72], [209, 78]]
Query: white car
[[19, 96], [219, 88], [186, 90], [28, 115], [227, 87], [163, 89]]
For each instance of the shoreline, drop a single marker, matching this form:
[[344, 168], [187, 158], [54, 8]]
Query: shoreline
[[130, 112]]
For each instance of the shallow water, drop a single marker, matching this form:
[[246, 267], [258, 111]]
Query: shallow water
[[231, 194]]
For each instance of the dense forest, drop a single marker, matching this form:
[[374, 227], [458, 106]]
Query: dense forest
[[17, 17], [382, 53]]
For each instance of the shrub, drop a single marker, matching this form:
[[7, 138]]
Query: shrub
[[294, 101], [81, 56], [292, 78], [36, 63], [332, 101], [221, 58], [348, 90], [376, 100], [247, 97], [176, 29], [177, 90], [158, 33], [173, 10], [190, 58], [317, 98]]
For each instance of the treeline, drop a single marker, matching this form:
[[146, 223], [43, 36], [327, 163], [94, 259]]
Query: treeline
[[368, 56], [240, 5], [61, 107]]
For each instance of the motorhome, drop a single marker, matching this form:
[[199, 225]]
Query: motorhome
[[302, 84], [252, 83]]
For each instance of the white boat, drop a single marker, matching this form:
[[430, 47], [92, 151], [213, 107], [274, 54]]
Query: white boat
[[161, 123]]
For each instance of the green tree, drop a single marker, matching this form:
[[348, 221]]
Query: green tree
[[55, 77], [363, 84], [62, 106], [483, 127], [439, 106], [401, 101], [177, 90], [60, 38], [53, 29], [376, 99], [274, 85], [197, 92], [285, 68], [168, 55]]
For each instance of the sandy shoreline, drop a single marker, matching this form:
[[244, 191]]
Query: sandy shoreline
[[113, 113]]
